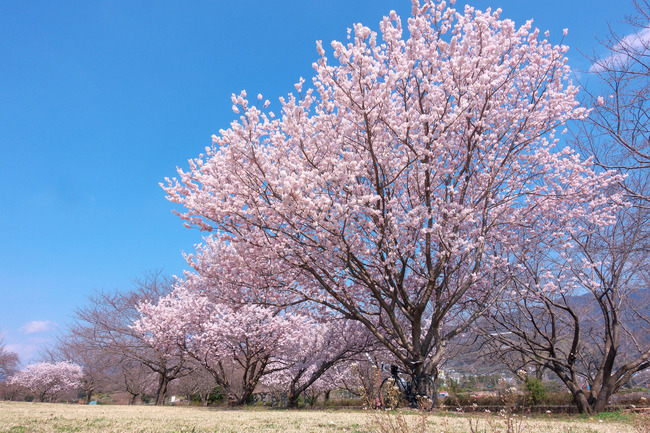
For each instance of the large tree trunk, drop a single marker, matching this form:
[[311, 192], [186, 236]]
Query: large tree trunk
[[581, 399], [604, 393], [243, 399], [292, 402], [582, 402], [163, 382], [296, 390]]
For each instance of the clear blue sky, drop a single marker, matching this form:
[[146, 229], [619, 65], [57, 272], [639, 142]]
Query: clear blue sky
[[100, 100]]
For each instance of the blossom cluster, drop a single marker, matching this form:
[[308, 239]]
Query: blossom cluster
[[47, 379]]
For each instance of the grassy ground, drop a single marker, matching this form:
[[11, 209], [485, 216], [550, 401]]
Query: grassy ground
[[21, 417]]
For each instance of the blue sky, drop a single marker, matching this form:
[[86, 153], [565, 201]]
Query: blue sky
[[101, 100]]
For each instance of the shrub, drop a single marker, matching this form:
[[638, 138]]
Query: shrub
[[561, 398], [535, 392], [216, 395]]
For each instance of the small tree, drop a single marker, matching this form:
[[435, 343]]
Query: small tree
[[235, 343], [47, 380], [97, 363], [133, 377], [318, 356], [104, 326], [198, 384], [9, 362], [535, 390]]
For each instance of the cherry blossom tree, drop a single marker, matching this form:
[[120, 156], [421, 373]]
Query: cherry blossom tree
[[98, 364], [235, 343], [47, 380], [320, 358], [105, 325], [224, 291], [397, 188]]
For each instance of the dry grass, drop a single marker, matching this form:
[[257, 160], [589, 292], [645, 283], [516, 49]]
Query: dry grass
[[49, 418]]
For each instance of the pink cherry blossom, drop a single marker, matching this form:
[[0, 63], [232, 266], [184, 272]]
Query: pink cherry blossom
[[234, 342], [47, 380]]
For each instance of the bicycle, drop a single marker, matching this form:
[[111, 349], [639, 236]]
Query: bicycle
[[401, 386]]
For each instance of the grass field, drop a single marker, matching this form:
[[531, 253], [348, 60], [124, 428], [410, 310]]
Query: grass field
[[18, 417]]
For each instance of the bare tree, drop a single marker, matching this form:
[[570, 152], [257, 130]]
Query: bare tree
[[591, 325], [199, 383], [9, 362], [133, 377], [617, 133], [588, 323]]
